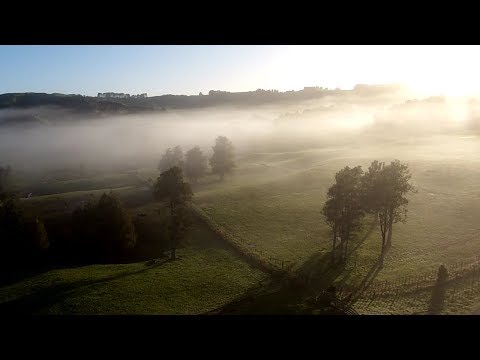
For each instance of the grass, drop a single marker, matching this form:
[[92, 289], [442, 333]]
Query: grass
[[281, 214], [206, 276], [50, 206], [272, 203], [56, 186]]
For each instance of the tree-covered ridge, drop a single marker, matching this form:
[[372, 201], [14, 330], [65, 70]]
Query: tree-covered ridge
[[213, 98]]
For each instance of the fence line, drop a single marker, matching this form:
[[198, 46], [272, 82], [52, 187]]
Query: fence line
[[463, 276], [248, 250]]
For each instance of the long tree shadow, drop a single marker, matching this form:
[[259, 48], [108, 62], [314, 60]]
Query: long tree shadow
[[320, 271], [33, 303], [323, 272], [360, 242], [367, 280], [284, 295]]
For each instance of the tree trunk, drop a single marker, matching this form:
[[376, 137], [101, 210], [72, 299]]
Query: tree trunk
[[343, 247], [173, 246], [345, 255], [390, 226], [172, 239], [340, 257], [382, 256], [334, 245], [383, 231]]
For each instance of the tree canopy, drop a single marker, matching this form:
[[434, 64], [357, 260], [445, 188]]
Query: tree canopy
[[195, 164], [172, 157], [21, 239], [222, 160], [385, 190], [170, 187], [382, 191], [104, 229], [343, 209]]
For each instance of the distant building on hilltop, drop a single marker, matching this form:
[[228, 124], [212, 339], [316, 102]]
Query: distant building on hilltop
[[120, 95], [312, 88]]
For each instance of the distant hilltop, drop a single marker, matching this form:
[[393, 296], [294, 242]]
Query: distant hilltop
[[112, 95], [111, 102], [45, 108]]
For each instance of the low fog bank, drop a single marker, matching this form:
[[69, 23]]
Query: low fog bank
[[132, 141]]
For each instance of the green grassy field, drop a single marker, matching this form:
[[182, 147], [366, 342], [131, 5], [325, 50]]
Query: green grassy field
[[48, 186], [280, 212], [206, 276], [272, 203]]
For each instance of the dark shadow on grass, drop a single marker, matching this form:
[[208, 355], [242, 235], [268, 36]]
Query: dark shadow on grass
[[367, 280], [320, 271], [371, 227], [13, 275], [286, 295], [42, 299]]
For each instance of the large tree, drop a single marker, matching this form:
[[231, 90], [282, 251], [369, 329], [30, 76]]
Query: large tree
[[385, 188], [170, 187], [172, 157], [343, 209], [332, 212], [222, 160], [195, 164]]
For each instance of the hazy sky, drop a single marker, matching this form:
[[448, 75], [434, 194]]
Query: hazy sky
[[156, 70]]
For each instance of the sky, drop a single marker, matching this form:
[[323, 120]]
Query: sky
[[157, 70]]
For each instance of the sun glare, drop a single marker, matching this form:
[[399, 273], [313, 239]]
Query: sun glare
[[428, 70]]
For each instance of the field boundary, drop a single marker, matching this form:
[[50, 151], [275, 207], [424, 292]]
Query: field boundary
[[254, 257], [427, 280], [463, 276]]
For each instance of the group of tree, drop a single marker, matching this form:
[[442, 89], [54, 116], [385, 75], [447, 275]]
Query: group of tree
[[102, 231], [23, 240], [171, 188], [98, 231], [194, 162], [381, 192]]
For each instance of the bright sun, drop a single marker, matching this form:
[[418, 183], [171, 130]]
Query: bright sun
[[429, 70]]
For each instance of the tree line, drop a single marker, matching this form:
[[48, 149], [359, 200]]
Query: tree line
[[171, 187], [103, 230], [20, 236], [381, 192], [194, 162]]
